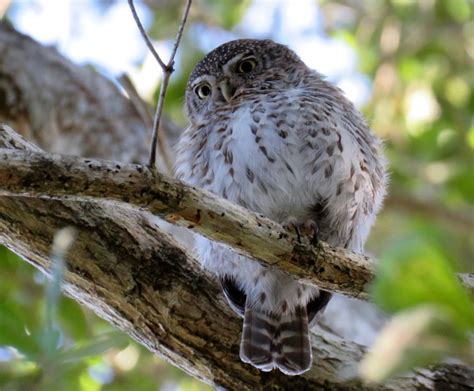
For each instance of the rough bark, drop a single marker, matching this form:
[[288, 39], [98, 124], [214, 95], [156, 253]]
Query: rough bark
[[132, 274], [67, 177], [136, 277]]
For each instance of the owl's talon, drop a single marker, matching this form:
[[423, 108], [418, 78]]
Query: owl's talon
[[291, 224], [312, 227], [298, 233], [307, 228]]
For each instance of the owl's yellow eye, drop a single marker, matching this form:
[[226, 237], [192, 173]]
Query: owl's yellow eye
[[247, 65], [203, 90]]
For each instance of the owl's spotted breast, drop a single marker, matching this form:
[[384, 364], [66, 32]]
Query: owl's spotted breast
[[255, 153]]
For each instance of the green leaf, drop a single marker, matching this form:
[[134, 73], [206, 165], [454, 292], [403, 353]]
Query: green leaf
[[73, 319], [94, 347], [13, 332], [459, 10], [415, 271], [415, 337]]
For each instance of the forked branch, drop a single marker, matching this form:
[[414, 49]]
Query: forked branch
[[167, 69]]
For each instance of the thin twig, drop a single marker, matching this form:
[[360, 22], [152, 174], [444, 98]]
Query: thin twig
[[462, 220], [179, 33], [146, 113], [167, 71], [145, 35]]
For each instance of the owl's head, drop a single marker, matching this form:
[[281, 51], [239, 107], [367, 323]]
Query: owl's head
[[237, 68]]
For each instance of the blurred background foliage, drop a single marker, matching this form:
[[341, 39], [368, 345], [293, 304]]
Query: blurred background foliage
[[408, 65]]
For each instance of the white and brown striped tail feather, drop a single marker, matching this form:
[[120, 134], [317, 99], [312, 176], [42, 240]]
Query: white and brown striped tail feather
[[276, 341]]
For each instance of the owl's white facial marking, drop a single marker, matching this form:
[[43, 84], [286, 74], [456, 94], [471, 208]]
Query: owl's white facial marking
[[211, 80], [229, 66]]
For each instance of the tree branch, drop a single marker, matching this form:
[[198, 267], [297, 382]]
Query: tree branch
[[66, 177], [139, 279], [122, 265], [462, 220], [56, 176], [167, 71], [146, 114], [152, 293], [66, 108]]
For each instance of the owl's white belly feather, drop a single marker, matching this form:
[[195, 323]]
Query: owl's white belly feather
[[283, 156], [254, 164]]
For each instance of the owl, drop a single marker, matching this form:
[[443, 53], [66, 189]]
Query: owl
[[270, 134]]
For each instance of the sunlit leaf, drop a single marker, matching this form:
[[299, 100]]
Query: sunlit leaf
[[13, 330], [416, 272], [459, 10], [94, 347], [415, 337]]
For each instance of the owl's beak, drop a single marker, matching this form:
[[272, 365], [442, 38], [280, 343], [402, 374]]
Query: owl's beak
[[227, 90]]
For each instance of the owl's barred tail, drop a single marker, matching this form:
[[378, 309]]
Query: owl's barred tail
[[293, 344], [257, 339], [281, 341]]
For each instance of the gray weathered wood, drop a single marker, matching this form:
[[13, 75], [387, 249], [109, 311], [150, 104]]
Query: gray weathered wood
[[74, 178]]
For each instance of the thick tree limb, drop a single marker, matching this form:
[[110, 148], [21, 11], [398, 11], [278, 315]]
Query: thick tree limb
[[122, 266], [66, 108], [151, 292], [56, 176], [139, 279], [48, 175]]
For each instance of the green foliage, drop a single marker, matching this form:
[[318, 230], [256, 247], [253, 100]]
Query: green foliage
[[433, 312], [419, 57], [416, 337], [43, 356], [415, 271], [51, 343], [225, 13]]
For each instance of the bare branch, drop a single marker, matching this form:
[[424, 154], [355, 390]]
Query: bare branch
[[167, 71], [462, 220], [145, 35], [146, 113], [39, 174], [143, 108], [179, 34]]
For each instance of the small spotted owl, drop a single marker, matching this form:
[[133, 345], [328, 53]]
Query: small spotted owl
[[270, 134]]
